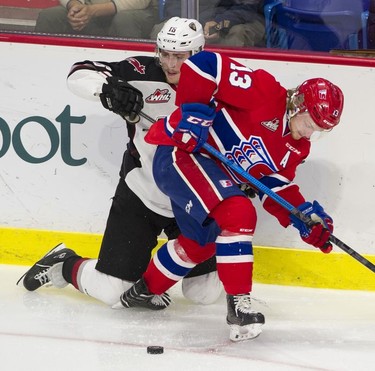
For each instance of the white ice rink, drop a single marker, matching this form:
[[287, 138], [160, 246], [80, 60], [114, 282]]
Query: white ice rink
[[62, 330]]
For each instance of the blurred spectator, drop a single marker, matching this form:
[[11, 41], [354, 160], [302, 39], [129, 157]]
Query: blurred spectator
[[235, 23], [226, 22], [114, 18]]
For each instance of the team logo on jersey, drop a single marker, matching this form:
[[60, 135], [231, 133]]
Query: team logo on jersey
[[272, 125], [225, 183], [159, 96], [251, 153], [138, 67]]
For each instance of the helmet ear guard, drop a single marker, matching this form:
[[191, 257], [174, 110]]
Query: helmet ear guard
[[323, 100]]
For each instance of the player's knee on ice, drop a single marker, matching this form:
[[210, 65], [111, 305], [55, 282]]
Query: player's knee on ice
[[204, 289]]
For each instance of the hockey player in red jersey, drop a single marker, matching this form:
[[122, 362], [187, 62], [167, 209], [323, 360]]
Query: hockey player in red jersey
[[251, 119]]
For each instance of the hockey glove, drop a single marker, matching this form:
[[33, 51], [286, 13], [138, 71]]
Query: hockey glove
[[122, 98], [317, 235], [249, 191], [192, 131]]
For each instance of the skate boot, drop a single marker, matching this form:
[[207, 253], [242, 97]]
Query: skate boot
[[244, 322], [40, 273], [139, 296]]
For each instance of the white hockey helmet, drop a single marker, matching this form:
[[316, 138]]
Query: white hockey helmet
[[181, 35]]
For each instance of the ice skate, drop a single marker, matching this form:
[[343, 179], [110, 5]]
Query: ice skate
[[139, 296], [39, 274], [244, 322]]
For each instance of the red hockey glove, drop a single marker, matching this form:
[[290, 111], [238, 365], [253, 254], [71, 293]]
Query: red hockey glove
[[192, 131], [317, 235]]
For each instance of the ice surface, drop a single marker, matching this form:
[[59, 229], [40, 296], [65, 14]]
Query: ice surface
[[306, 329]]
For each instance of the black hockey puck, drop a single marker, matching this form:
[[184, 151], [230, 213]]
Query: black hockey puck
[[155, 349]]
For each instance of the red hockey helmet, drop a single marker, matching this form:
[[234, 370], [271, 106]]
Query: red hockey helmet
[[323, 100]]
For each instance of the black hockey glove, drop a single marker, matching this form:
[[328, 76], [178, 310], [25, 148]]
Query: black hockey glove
[[122, 98], [248, 190]]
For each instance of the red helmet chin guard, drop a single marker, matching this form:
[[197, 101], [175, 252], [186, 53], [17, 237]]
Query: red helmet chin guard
[[323, 100]]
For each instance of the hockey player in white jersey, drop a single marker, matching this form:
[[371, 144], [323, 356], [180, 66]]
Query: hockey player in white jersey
[[139, 211]]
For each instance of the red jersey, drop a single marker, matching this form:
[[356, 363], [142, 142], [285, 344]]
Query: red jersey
[[250, 126]]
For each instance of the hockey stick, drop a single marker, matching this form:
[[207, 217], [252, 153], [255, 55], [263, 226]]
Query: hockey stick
[[285, 204], [281, 201]]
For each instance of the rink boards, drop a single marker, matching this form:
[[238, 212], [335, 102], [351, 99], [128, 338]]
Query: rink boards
[[60, 157]]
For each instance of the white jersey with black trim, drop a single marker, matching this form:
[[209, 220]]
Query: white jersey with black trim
[[86, 79]]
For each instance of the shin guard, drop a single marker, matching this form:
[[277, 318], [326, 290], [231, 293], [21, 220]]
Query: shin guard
[[236, 218]]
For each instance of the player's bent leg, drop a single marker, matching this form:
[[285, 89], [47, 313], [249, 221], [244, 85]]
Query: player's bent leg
[[61, 266], [173, 261], [98, 285], [236, 218]]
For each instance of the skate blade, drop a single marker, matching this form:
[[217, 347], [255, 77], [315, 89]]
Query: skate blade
[[21, 279], [241, 333]]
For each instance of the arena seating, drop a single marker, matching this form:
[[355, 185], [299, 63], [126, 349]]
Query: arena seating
[[316, 25]]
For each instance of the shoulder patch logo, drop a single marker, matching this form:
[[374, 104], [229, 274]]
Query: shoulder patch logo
[[138, 67], [271, 125], [159, 96]]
